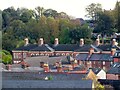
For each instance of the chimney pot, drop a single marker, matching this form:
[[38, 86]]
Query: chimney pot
[[113, 52], [41, 42], [91, 51], [26, 41], [114, 42], [56, 41], [81, 42], [97, 42]]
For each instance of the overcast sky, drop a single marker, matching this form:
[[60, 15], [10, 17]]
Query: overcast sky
[[74, 8]]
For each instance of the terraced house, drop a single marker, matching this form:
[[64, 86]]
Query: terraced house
[[80, 50]]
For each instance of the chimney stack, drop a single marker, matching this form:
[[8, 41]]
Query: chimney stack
[[41, 42], [56, 41], [91, 51], [81, 42], [114, 43], [97, 42], [26, 41], [46, 68], [113, 52]]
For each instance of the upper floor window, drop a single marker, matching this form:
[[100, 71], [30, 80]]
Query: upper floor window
[[24, 55], [103, 62]]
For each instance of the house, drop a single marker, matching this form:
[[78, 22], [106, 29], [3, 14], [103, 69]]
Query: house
[[95, 60], [114, 72], [100, 73], [116, 57], [56, 49]]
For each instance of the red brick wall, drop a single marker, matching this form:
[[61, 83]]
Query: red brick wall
[[112, 77], [116, 60], [107, 65]]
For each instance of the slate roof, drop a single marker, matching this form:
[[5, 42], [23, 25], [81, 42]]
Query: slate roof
[[86, 48], [81, 84], [108, 47], [35, 61], [101, 57], [65, 47], [27, 48], [81, 56], [115, 69], [41, 48], [95, 70], [117, 54]]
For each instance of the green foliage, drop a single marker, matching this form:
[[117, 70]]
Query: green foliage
[[99, 86], [6, 57], [49, 24], [81, 32], [93, 10], [104, 24], [50, 77], [88, 41]]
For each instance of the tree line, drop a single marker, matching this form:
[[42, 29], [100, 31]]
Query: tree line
[[20, 23]]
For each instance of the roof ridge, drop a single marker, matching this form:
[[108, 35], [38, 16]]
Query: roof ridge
[[51, 49], [97, 49]]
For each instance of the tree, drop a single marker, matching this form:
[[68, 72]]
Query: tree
[[8, 15], [6, 57], [39, 11], [25, 15], [50, 13], [43, 29], [117, 15], [53, 27], [104, 24], [80, 32], [93, 9]]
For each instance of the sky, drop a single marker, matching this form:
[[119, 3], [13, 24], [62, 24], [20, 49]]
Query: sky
[[74, 8]]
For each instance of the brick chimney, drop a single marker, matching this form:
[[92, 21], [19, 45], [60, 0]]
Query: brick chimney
[[40, 42], [26, 41], [56, 41], [81, 42], [59, 69], [114, 43], [42, 64], [8, 67], [97, 42], [46, 68], [91, 51], [74, 64], [113, 52]]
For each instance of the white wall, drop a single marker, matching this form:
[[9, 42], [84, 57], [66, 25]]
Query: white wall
[[102, 74]]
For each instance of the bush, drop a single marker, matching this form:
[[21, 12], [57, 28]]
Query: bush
[[6, 57], [50, 77], [88, 41]]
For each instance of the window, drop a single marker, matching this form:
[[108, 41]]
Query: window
[[90, 62], [63, 54], [111, 63], [103, 62], [67, 54], [57, 54], [104, 67], [24, 55], [20, 56], [14, 55], [99, 62]]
